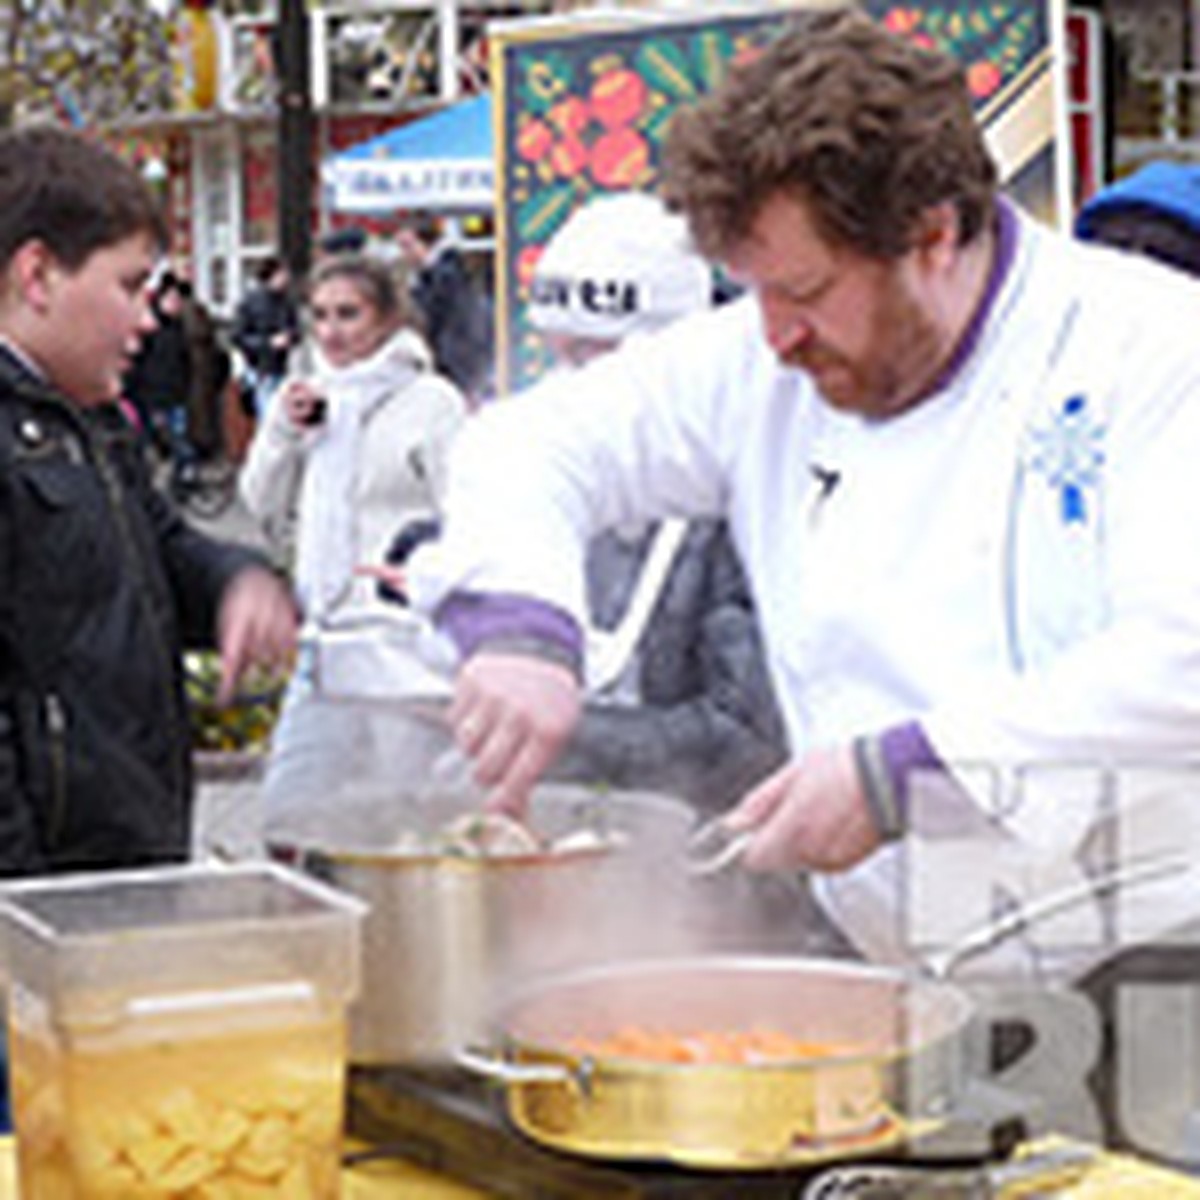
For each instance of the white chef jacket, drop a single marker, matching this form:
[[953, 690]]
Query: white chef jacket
[[1015, 562]]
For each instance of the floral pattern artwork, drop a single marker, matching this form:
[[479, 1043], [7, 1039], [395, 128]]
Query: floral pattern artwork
[[585, 108], [587, 114], [994, 41]]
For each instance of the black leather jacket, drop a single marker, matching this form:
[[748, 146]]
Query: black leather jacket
[[101, 585], [260, 317]]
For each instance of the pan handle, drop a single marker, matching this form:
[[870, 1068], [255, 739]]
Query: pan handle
[[482, 1062], [940, 966]]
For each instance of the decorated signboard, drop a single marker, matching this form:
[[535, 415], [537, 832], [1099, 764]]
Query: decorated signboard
[[583, 105], [1086, 102]]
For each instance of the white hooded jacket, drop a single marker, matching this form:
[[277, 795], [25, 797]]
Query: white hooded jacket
[[375, 463]]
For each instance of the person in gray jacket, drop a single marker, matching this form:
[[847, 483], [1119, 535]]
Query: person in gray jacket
[[679, 697]]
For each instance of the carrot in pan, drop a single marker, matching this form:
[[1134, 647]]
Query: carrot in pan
[[703, 1046]]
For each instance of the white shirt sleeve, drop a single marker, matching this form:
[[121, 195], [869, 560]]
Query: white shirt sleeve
[[532, 478]]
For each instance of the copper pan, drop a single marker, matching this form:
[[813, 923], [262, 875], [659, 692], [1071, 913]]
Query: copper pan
[[898, 1070]]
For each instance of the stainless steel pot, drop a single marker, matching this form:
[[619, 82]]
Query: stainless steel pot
[[447, 938]]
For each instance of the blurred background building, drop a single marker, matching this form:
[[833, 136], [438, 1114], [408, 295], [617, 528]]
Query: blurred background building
[[191, 90]]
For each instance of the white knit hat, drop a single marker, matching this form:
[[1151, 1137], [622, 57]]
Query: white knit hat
[[621, 264]]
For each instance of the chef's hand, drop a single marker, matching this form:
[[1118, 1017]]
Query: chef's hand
[[811, 814], [511, 715], [257, 624]]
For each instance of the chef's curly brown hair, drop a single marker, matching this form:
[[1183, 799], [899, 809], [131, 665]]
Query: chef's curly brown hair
[[866, 128]]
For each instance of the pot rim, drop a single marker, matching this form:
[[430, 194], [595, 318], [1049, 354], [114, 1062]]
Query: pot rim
[[301, 852], [905, 982], [301, 847]]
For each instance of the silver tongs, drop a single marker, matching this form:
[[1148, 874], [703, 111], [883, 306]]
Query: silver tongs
[[714, 846], [1051, 1169]]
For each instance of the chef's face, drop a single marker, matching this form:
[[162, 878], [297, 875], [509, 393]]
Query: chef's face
[[862, 328], [346, 325]]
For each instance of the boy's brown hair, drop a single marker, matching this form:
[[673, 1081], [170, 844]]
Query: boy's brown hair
[[70, 193]]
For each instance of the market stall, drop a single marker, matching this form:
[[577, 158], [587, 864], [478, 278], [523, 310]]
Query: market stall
[[442, 161]]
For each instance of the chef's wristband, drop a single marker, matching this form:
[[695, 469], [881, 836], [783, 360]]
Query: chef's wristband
[[512, 624], [889, 764], [534, 647], [879, 787]]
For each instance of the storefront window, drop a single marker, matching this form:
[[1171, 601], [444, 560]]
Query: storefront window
[[252, 83], [213, 233], [381, 58], [259, 190]]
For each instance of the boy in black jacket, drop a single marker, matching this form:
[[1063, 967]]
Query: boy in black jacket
[[101, 582]]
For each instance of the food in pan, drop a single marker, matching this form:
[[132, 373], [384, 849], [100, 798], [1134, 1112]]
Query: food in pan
[[493, 835], [762, 1045]]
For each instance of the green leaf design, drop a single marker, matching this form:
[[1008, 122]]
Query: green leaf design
[[665, 67], [713, 50], [543, 212]]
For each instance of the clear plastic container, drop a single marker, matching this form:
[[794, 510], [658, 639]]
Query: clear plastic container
[[179, 1032]]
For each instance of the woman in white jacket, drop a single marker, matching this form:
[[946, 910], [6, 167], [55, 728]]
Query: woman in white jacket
[[353, 451]]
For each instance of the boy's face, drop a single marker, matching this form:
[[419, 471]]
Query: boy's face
[[92, 318]]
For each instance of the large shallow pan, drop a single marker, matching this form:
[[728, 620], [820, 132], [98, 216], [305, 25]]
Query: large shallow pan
[[892, 1064], [892, 1068]]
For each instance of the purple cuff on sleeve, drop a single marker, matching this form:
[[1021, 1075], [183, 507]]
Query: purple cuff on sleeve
[[473, 620], [906, 749], [886, 764]]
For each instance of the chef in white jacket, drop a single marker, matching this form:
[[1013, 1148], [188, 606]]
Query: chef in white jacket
[[960, 457]]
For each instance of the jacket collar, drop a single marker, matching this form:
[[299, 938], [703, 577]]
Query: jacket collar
[[21, 379], [16, 366]]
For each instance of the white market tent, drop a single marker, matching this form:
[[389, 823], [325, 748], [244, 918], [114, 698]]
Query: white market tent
[[442, 161]]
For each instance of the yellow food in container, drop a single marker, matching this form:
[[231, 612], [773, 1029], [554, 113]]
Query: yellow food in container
[[199, 1055]]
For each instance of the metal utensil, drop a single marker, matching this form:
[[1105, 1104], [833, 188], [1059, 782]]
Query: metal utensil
[[714, 846], [942, 964], [1059, 1166]]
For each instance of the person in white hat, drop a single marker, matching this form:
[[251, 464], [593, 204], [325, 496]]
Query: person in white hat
[[679, 695], [620, 265]]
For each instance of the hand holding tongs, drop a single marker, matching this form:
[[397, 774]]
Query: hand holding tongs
[[715, 846]]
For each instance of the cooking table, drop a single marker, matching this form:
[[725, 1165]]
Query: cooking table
[[381, 1179], [385, 1179]]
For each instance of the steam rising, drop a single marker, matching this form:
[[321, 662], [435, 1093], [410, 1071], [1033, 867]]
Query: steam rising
[[449, 939]]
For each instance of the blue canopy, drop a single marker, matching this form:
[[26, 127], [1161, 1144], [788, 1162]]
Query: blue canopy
[[442, 161]]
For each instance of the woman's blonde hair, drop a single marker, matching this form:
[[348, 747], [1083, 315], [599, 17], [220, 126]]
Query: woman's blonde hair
[[382, 285]]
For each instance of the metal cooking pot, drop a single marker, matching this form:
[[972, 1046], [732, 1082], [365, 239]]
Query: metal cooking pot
[[897, 1070], [448, 937], [896, 1067]]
